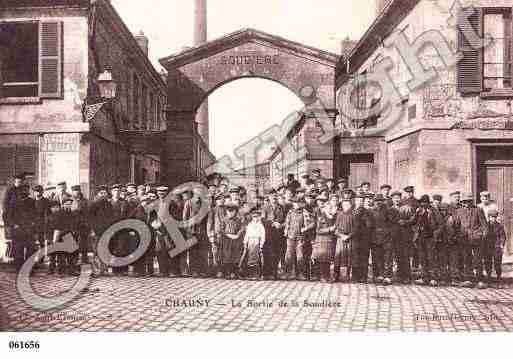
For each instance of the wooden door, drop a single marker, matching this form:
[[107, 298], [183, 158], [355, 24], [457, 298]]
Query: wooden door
[[359, 168], [499, 183], [495, 174]]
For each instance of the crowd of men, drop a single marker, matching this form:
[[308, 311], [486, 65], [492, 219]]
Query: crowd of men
[[316, 229]]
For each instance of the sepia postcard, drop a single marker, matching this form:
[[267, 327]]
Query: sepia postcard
[[255, 167]]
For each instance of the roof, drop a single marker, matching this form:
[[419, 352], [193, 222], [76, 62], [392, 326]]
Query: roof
[[243, 36], [384, 24]]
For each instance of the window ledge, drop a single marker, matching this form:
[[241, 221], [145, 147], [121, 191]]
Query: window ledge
[[498, 94], [20, 100]]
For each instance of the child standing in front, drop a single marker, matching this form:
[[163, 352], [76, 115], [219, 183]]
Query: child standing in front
[[254, 239]]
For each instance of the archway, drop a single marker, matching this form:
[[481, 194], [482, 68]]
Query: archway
[[197, 72]]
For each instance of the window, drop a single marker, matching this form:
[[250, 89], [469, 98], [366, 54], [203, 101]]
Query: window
[[485, 70], [497, 56], [151, 112], [135, 98], [31, 60], [158, 114], [144, 107]]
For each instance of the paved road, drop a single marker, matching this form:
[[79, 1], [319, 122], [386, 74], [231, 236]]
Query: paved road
[[187, 305]]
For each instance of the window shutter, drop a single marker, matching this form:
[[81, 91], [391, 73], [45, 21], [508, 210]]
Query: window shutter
[[470, 67], [6, 164], [50, 59], [26, 159]]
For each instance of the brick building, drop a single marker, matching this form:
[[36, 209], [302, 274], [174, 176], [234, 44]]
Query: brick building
[[454, 132], [52, 53]]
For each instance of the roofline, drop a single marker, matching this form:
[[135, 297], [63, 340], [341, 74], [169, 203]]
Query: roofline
[[182, 58], [396, 11], [112, 12]]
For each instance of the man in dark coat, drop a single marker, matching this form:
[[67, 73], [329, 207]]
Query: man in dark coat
[[42, 215], [9, 203], [274, 214], [410, 203], [120, 241], [22, 222], [426, 225], [100, 213], [80, 209]]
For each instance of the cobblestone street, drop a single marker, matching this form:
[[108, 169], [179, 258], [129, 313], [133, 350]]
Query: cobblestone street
[[187, 305]]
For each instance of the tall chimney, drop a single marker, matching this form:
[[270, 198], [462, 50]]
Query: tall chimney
[[143, 42], [200, 37], [380, 6]]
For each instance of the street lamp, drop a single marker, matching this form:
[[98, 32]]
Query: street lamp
[[107, 88], [107, 85]]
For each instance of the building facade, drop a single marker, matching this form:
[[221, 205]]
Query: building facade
[[455, 130], [53, 123]]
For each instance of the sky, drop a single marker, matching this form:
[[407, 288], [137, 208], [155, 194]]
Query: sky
[[243, 108]]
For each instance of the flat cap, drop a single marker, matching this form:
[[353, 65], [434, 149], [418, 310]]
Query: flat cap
[[409, 189]]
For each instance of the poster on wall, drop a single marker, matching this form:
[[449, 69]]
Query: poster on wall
[[59, 159]]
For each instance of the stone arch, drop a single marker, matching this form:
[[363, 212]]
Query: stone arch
[[196, 72]]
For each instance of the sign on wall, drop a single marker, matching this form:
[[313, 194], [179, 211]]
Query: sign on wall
[[59, 159]]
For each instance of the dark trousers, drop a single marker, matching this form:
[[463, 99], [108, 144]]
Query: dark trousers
[[121, 247], [454, 251], [377, 251], [23, 248], [272, 251], [297, 256], [198, 257], [65, 261], [214, 256], [342, 257], [388, 259], [83, 240], [492, 260], [473, 261], [441, 258], [321, 270], [402, 247], [426, 250]]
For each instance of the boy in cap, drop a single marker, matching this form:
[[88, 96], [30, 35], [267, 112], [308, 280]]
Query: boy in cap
[[381, 241], [494, 242], [425, 227], [385, 192], [42, 218], [294, 235]]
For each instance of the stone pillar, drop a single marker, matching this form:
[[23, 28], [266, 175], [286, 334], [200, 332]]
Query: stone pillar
[[178, 160], [200, 37]]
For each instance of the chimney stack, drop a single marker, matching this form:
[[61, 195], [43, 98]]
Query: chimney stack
[[143, 42], [346, 46], [200, 37], [380, 6]]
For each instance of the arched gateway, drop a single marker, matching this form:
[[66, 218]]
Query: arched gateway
[[196, 72]]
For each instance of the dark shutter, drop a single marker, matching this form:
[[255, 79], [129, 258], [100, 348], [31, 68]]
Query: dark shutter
[[470, 67], [6, 164], [50, 59], [26, 159]]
